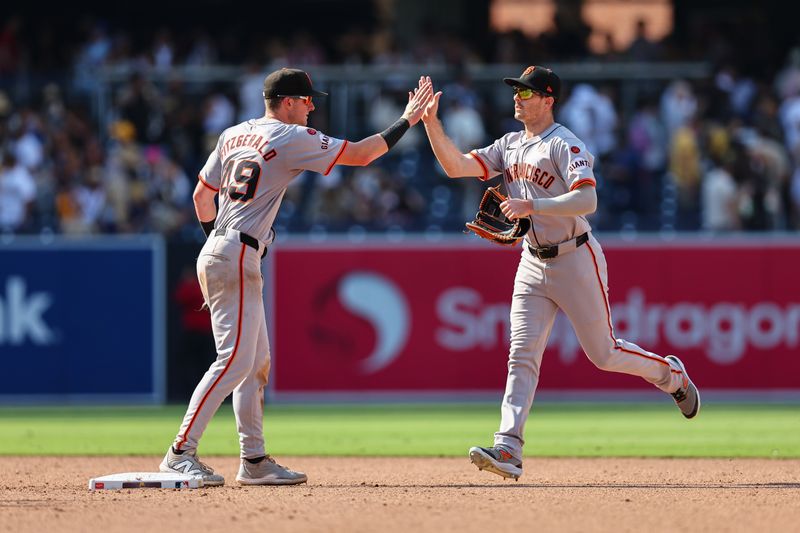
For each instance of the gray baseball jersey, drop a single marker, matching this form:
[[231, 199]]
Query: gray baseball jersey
[[575, 281], [250, 168], [544, 166], [253, 164]]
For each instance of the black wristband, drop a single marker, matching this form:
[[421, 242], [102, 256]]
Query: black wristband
[[393, 133], [208, 227]]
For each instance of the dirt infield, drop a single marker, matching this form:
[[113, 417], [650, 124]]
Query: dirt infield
[[411, 494]]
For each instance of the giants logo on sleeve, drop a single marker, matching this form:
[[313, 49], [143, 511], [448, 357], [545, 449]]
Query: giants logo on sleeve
[[578, 163], [325, 141]]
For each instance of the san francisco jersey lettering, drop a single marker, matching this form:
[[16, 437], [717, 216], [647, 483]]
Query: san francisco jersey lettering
[[544, 166]]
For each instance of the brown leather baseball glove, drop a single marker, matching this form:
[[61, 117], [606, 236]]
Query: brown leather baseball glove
[[490, 222]]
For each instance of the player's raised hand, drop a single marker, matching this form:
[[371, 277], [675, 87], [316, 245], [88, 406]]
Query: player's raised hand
[[417, 102], [433, 103], [517, 208]]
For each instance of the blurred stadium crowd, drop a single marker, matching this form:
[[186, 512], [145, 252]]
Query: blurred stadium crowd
[[718, 153]]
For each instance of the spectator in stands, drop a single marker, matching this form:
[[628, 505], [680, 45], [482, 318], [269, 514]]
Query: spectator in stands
[[647, 136], [203, 51], [740, 90], [163, 51], [590, 114], [794, 193], [124, 161], [27, 139], [170, 194], [464, 125], [787, 82], [684, 169], [140, 104], [92, 56], [90, 203], [720, 196], [678, 106], [251, 102], [642, 48], [219, 113], [17, 193], [771, 162], [789, 113]]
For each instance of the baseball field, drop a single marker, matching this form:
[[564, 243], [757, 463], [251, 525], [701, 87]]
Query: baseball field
[[588, 467]]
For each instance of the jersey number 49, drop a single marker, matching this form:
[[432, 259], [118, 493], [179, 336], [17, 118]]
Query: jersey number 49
[[246, 175]]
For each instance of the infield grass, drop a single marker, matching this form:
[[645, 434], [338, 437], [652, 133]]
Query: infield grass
[[553, 430]]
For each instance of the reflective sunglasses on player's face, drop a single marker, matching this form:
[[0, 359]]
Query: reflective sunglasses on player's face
[[524, 93], [306, 99]]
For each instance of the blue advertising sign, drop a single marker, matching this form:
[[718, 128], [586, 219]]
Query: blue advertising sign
[[82, 320]]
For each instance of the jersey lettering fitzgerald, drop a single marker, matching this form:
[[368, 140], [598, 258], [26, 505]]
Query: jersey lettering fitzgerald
[[544, 166], [253, 164]]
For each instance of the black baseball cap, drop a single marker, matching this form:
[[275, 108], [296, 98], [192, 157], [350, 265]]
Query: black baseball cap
[[540, 79], [289, 82]]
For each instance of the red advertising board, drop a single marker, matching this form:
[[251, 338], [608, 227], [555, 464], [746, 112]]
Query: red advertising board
[[435, 318]]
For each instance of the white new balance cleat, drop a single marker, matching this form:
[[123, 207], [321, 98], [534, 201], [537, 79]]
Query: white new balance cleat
[[497, 460], [268, 472], [188, 463]]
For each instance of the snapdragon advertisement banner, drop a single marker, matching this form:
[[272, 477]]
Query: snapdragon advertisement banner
[[428, 319]]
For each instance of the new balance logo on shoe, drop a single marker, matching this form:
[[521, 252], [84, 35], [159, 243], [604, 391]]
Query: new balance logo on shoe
[[187, 467], [190, 465]]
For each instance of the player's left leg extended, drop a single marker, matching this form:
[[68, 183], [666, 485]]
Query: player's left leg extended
[[581, 291]]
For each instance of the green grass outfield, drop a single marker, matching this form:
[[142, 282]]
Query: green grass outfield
[[554, 429]]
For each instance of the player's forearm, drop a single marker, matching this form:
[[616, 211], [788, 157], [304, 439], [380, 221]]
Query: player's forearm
[[581, 201], [204, 206], [363, 152], [367, 150], [454, 163]]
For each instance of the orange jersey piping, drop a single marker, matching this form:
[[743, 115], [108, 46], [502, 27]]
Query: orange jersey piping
[[233, 355]]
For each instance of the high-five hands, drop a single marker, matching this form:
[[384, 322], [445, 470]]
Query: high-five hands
[[433, 104], [418, 101]]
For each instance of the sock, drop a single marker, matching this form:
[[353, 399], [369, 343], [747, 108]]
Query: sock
[[176, 452], [255, 460]]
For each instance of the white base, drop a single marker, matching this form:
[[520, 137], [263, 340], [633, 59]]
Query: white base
[[145, 480]]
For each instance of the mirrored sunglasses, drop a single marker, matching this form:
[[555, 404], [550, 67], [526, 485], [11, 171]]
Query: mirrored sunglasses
[[306, 99], [523, 93]]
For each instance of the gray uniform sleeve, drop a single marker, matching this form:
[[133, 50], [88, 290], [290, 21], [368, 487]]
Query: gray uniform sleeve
[[574, 163], [310, 149], [211, 173], [490, 158]]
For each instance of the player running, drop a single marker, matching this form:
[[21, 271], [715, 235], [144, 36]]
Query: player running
[[548, 175], [249, 171]]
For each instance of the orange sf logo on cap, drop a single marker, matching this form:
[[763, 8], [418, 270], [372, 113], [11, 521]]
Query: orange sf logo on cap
[[528, 71]]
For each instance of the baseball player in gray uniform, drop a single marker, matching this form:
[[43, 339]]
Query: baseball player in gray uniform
[[249, 171], [548, 176]]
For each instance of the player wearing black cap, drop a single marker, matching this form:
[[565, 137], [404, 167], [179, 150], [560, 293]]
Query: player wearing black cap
[[249, 170], [548, 174]]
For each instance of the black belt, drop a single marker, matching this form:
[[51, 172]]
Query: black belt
[[244, 238], [549, 252]]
